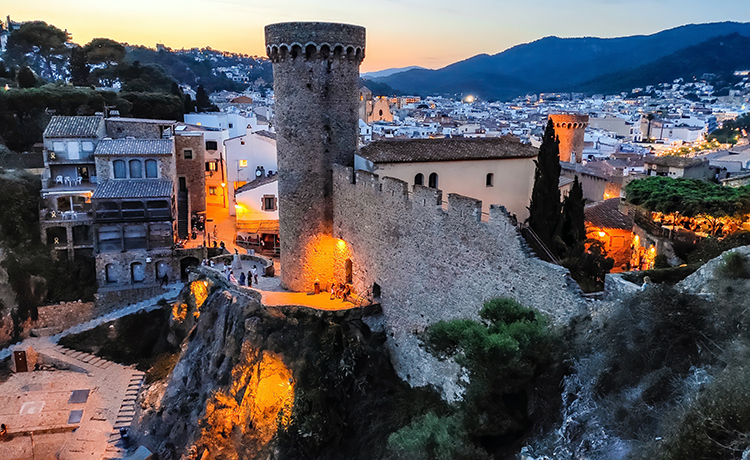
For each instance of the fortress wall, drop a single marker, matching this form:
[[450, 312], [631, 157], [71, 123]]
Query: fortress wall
[[432, 264]]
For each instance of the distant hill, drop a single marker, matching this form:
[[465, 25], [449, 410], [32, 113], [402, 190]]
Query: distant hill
[[586, 64], [389, 72]]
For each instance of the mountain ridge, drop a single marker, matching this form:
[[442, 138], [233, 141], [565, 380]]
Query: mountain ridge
[[554, 64]]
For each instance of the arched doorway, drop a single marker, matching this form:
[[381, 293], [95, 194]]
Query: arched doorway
[[186, 263], [137, 272]]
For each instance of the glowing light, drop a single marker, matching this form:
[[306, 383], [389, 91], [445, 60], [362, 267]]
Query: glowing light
[[7, 88], [636, 239], [469, 99], [652, 249], [602, 234], [258, 403], [223, 184]]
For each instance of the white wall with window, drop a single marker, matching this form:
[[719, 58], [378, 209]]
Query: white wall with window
[[246, 156], [258, 203]]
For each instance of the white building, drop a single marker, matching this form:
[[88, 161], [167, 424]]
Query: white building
[[258, 213], [249, 157]]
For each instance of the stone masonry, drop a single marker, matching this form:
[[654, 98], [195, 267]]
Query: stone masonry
[[316, 75], [434, 264], [570, 128]]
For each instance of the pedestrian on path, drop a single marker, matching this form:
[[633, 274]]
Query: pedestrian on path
[[164, 280], [231, 277], [255, 273], [249, 279], [242, 278], [216, 232]]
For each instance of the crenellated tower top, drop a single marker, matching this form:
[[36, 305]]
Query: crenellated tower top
[[315, 40]]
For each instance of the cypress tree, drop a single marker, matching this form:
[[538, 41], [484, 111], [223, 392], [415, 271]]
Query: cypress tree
[[573, 225], [544, 209]]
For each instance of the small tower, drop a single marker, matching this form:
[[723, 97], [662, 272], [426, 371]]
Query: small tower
[[316, 87], [569, 128]]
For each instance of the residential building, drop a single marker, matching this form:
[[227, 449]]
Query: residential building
[[676, 166], [493, 170], [258, 214]]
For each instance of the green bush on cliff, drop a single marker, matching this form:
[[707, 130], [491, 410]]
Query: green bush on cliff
[[502, 355]]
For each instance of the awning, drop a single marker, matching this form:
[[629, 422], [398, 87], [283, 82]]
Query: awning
[[257, 227]]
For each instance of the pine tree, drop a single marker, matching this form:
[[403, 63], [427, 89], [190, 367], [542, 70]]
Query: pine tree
[[79, 69], [573, 225], [544, 209]]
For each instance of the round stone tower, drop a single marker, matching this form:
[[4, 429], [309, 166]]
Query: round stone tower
[[316, 87], [569, 128]]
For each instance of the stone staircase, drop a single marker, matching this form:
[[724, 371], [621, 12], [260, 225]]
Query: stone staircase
[[115, 448]]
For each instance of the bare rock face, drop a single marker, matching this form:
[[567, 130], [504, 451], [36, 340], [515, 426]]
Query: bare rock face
[[699, 281], [263, 382]]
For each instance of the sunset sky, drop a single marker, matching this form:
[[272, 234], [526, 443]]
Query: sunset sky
[[429, 33]]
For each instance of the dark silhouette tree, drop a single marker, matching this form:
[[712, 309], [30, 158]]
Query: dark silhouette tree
[[104, 51], [39, 38], [26, 78], [79, 69], [544, 209], [3, 70], [573, 223]]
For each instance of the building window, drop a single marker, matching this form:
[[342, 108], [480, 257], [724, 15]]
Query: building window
[[490, 182], [136, 169], [230, 126], [243, 163], [111, 273], [137, 273], [419, 179], [211, 145], [212, 190], [433, 180], [58, 147], [109, 238], [151, 170], [187, 154], [87, 146], [119, 169], [269, 203], [211, 166]]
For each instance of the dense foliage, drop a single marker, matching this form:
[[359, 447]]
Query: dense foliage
[[25, 113], [502, 355], [689, 197], [34, 275]]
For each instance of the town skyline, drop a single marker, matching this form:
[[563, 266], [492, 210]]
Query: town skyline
[[439, 33]]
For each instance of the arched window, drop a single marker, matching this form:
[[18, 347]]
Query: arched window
[[136, 169], [419, 179], [433, 180], [490, 180], [151, 171], [137, 273], [111, 273], [119, 169]]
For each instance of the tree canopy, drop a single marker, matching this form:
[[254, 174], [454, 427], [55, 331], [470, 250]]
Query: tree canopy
[[104, 51], [689, 197], [37, 36]]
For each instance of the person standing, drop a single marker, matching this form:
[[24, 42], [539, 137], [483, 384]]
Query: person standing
[[242, 278], [231, 277], [255, 273]]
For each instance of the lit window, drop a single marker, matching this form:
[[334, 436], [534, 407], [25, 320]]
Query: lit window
[[187, 154], [211, 166], [243, 163], [212, 190]]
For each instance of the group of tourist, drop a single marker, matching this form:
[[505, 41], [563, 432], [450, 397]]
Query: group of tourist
[[251, 275]]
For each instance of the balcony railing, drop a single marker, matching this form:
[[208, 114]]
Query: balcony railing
[[51, 215]]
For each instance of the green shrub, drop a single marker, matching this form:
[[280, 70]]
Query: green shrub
[[432, 437], [734, 266]]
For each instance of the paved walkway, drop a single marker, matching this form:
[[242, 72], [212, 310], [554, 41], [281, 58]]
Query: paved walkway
[[74, 414]]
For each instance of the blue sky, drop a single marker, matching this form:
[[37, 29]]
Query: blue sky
[[430, 33]]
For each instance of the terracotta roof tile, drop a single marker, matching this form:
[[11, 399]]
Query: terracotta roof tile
[[144, 188], [607, 215], [449, 149], [63, 126]]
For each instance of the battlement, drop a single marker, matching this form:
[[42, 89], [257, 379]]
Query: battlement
[[396, 193], [315, 41], [569, 120]]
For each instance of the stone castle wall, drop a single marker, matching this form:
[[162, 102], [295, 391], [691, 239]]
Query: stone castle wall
[[316, 86], [434, 264]]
